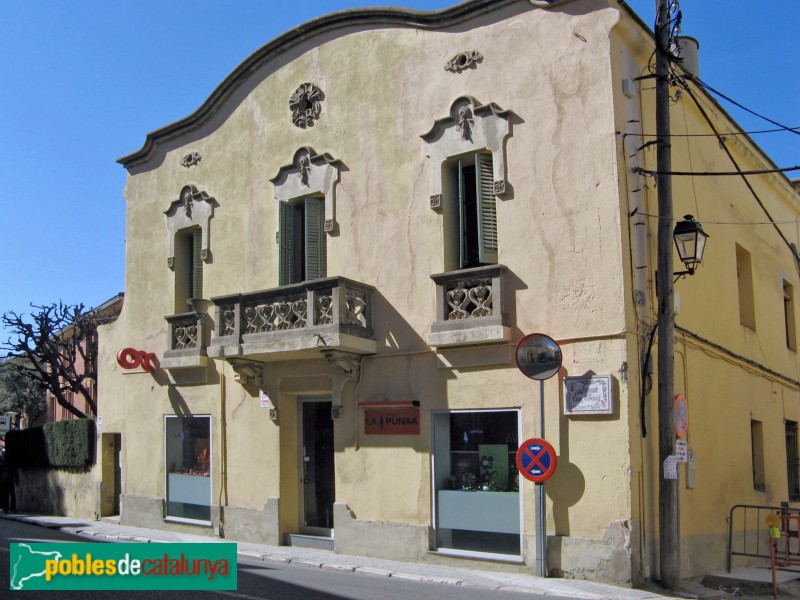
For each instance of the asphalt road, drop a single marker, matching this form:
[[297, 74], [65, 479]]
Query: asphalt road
[[259, 581]]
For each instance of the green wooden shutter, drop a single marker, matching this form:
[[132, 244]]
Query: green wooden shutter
[[285, 238], [196, 286], [487, 213], [461, 224], [315, 239]]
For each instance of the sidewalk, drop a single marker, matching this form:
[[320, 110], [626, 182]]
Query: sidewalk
[[321, 559]]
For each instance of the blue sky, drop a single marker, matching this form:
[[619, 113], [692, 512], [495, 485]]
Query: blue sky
[[82, 82]]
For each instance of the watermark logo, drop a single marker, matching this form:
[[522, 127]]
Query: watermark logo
[[129, 566]]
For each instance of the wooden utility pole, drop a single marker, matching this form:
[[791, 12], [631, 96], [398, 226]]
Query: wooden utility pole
[[668, 525]]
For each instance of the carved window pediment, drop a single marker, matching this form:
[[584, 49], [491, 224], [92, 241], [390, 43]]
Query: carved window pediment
[[469, 127], [193, 208], [310, 174]]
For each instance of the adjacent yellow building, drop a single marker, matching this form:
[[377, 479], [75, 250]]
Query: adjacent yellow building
[[330, 263]]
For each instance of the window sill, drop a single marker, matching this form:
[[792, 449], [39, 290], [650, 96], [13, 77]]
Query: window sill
[[183, 359], [188, 521], [462, 332], [501, 558]]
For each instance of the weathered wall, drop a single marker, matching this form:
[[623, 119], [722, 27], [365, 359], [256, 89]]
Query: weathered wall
[[580, 269], [52, 492], [730, 373]]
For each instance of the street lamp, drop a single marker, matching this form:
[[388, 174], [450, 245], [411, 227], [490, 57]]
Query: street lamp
[[690, 240]]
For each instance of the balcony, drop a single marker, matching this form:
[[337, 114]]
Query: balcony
[[187, 342], [295, 321], [470, 307]]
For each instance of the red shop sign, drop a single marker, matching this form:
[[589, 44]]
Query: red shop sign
[[403, 421], [129, 358]]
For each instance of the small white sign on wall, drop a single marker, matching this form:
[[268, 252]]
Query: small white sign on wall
[[591, 395], [682, 450], [264, 399]]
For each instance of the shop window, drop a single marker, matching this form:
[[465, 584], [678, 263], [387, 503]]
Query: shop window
[[788, 316], [188, 468], [470, 215], [302, 240], [744, 277], [757, 447], [792, 461], [476, 483]]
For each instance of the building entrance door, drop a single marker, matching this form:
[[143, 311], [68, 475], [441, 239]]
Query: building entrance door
[[111, 485], [316, 469]]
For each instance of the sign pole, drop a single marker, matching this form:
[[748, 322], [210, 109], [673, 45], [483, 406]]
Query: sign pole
[[538, 357], [539, 501]]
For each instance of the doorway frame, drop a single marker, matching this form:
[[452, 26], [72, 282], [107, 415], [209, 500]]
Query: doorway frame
[[301, 497]]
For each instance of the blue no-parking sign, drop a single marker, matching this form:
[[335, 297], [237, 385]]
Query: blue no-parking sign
[[536, 460]]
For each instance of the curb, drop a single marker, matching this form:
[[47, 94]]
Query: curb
[[470, 579]]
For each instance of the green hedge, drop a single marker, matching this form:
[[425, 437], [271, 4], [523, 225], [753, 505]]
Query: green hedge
[[59, 445]]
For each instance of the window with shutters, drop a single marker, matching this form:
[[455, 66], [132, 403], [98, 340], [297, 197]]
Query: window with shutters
[[188, 267], [788, 315], [473, 213], [188, 226], [302, 240], [792, 461], [467, 149]]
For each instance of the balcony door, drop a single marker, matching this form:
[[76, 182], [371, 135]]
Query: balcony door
[[316, 469]]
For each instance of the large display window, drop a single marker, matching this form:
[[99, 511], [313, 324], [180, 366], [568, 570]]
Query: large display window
[[476, 484], [188, 468]]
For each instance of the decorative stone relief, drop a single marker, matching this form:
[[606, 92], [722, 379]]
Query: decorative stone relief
[[310, 174], [468, 299], [463, 60], [185, 334], [304, 168], [470, 127], [346, 367], [247, 372], [465, 123], [192, 159], [193, 208], [306, 105]]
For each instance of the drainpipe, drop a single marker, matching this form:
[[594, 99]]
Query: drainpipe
[[222, 499]]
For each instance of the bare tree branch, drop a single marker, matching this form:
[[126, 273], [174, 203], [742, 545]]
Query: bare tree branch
[[59, 345]]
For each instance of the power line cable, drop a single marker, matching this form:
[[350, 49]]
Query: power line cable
[[708, 120], [637, 212], [737, 173], [732, 134], [732, 101]]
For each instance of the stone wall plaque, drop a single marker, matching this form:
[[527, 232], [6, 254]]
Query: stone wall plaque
[[591, 395]]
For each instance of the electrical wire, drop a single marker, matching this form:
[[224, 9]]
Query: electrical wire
[[644, 214], [792, 248], [732, 134], [702, 83], [737, 173]]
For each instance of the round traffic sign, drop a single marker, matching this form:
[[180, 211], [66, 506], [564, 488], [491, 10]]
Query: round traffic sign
[[681, 416], [538, 356], [536, 460]]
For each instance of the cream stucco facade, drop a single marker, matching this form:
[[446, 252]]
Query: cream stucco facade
[[547, 98]]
